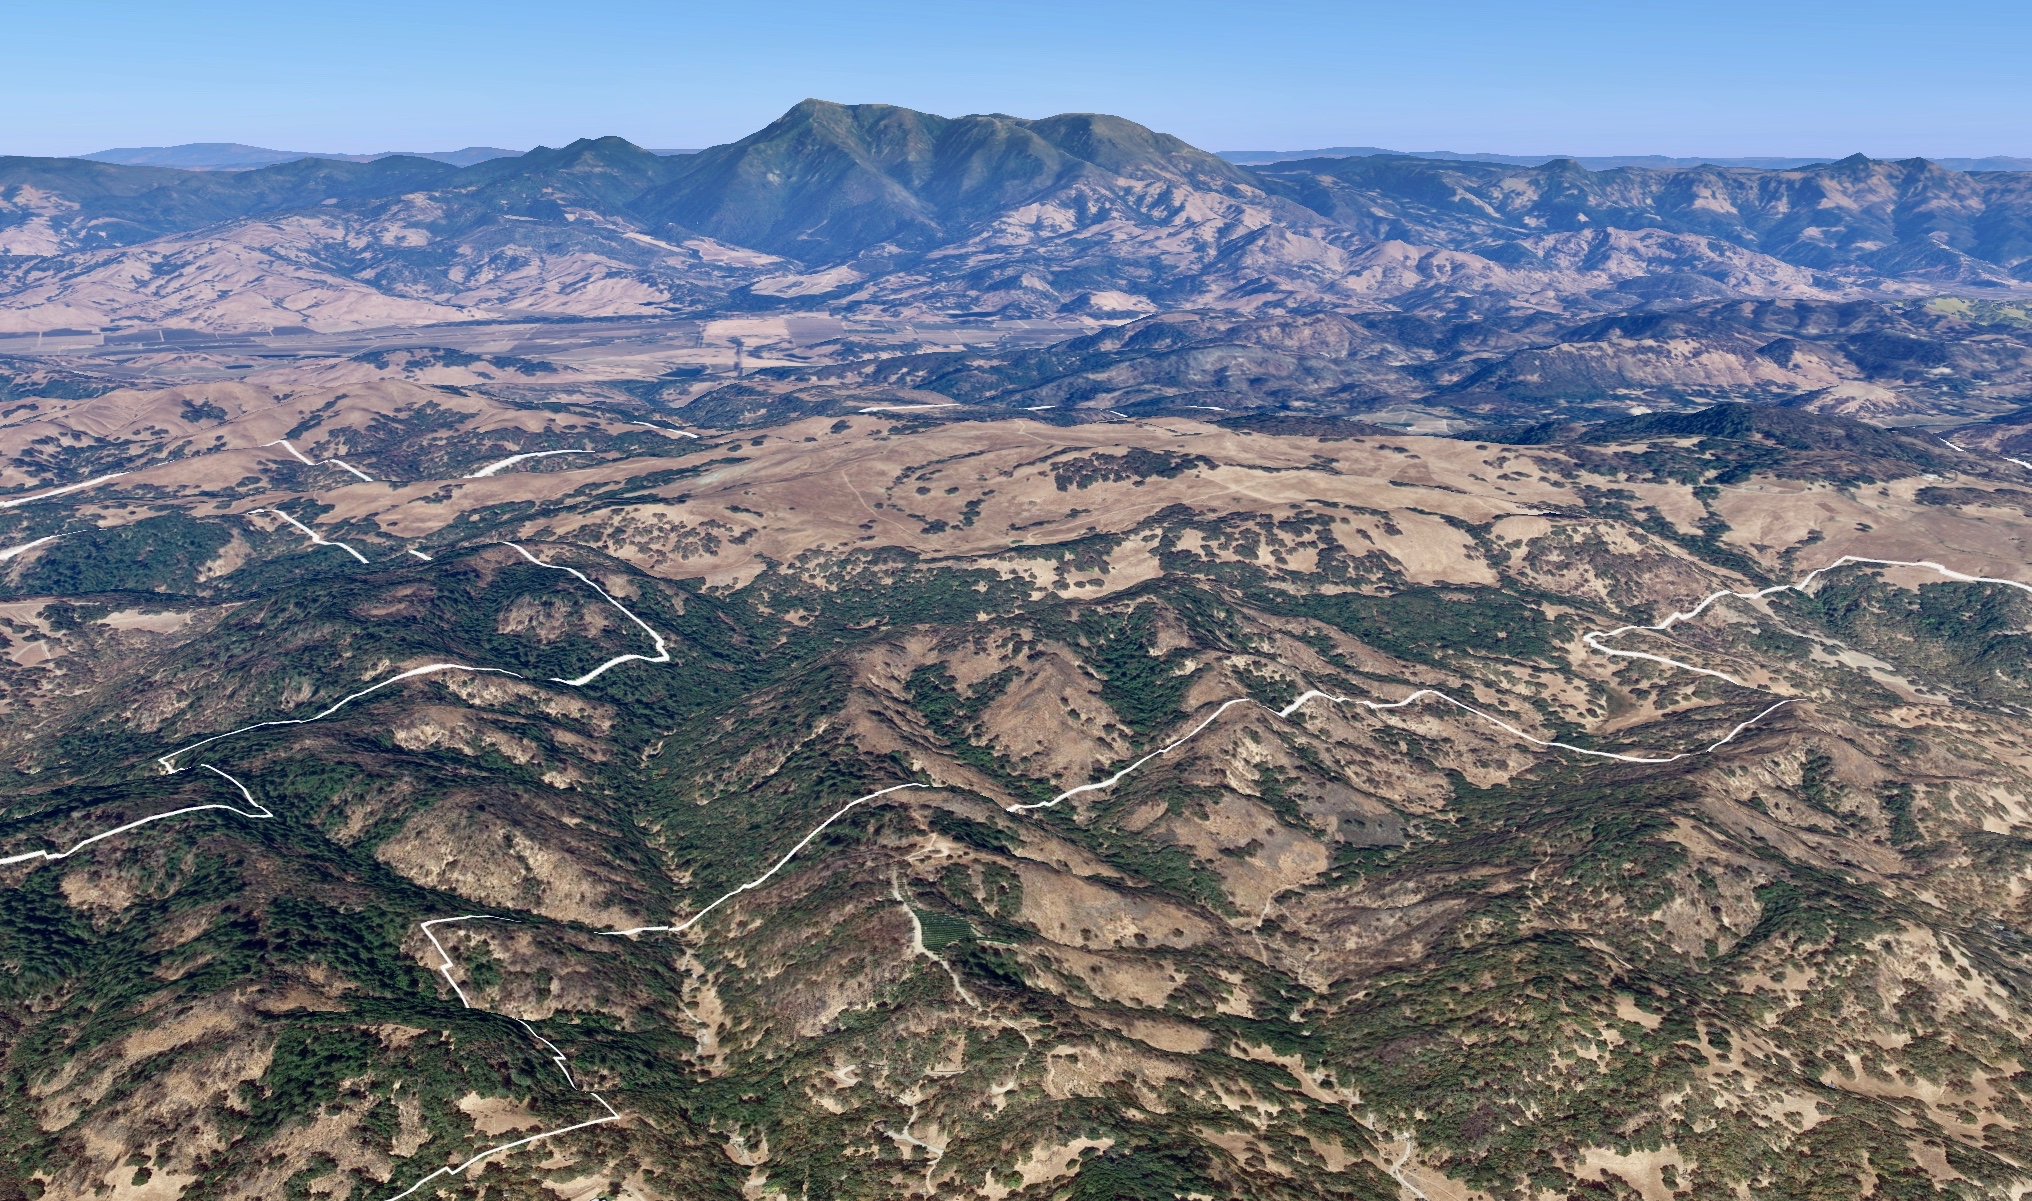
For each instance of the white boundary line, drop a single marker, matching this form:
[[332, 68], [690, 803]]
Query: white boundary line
[[491, 468], [556, 1056], [666, 429], [762, 879], [25, 547], [1591, 640], [1310, 694], [16, 501], [316, 538], [168, 761], [1799, 586], [51, 856], [2007, 458], [612, 1116], [308, 462], [662, 655]]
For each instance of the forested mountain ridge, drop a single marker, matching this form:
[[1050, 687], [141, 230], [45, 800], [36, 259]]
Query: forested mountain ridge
[[885, 210]]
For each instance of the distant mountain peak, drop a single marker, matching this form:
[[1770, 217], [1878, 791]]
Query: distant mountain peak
[[1606, 162], [238, 156]]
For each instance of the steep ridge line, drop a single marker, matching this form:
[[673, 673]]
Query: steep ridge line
[[49, 856], [557, 1057], [284, 443], [662, 655]]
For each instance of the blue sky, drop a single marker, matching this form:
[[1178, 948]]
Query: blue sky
[[1715, 78]]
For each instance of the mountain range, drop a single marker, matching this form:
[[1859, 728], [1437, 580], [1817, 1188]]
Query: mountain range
[[1017, 660], [876, 209], [236, 156], [1603, 162]]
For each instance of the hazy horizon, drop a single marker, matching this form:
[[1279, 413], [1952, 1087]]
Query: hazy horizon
[[524, 146], [1592, 79]]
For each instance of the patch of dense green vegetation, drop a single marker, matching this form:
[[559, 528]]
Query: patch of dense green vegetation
[[1135, 464], [1972, 637], [160, 553], [1141, 685], [942, 930], [1431, 624]]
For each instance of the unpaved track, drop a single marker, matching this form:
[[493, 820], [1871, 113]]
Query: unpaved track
[[50, 856], [556, 1056], [17, 501], [511, 460], [1593, 640], [662, 655], [316, 538], [284, 443]]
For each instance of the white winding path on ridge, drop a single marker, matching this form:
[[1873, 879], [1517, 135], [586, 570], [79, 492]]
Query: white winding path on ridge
[[1312, 694], [762, 879], [309, 462], [1798, 586], [316, 538], [2007, 458], [1592, 640], [16, 501], [491, 468], [54, 855], [12, 551], [662, 655], [168, 761], [666, 429], [556, 1056]]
